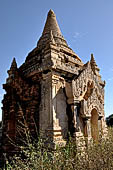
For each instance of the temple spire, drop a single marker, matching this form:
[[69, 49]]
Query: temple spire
[[94, 66], [13, 65], [51, 24], [12, 70], [93, 62]]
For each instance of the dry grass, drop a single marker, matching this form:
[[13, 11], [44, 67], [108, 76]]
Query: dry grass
[[34, 156]]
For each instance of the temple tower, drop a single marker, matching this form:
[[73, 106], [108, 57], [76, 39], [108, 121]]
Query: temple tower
[[54, 90]]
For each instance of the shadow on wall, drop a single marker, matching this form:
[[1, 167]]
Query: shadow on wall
[[94, 124], [63, 114], [60, 115]]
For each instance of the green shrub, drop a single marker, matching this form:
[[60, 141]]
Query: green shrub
[[35, 156]]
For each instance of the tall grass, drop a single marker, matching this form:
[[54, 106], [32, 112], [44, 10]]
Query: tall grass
[[35, 156]]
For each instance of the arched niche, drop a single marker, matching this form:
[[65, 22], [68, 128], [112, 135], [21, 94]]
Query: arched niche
[[61, 116], [94, 124]]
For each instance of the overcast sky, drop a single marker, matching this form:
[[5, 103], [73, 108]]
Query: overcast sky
[[87, 25]]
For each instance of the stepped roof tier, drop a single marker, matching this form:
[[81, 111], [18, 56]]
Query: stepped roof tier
[[51, 43]]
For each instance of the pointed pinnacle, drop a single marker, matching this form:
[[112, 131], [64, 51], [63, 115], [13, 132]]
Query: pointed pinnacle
[[92, 57], [93, 62], [13, 65], [51, 24], [51, 13]]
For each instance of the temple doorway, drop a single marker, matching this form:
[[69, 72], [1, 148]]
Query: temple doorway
[[94, 125]]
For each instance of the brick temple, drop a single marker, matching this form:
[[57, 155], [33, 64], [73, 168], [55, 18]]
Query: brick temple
[[54, 91]]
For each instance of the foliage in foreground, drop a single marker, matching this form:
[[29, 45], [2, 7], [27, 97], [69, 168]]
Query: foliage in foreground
[[109, 120], [36, 157]]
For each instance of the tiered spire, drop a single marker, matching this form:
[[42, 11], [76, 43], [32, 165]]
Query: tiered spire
[[13, 65], [94, 65], [51, 26], [93, 62], [12, 70]]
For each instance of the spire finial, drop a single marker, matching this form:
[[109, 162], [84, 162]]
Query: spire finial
[[12, 69], [51, 13], [94, 65], [92, 61], [13, 65], [92, 58], [51, 24]]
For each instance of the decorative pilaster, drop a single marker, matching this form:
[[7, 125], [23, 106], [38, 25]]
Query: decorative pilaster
[[60, 120], [76, 115], [45, 111], [100, 125]]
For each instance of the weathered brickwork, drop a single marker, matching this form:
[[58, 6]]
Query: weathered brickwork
[[54, 91]]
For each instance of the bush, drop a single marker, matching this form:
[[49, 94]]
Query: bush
[[35, 156]]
